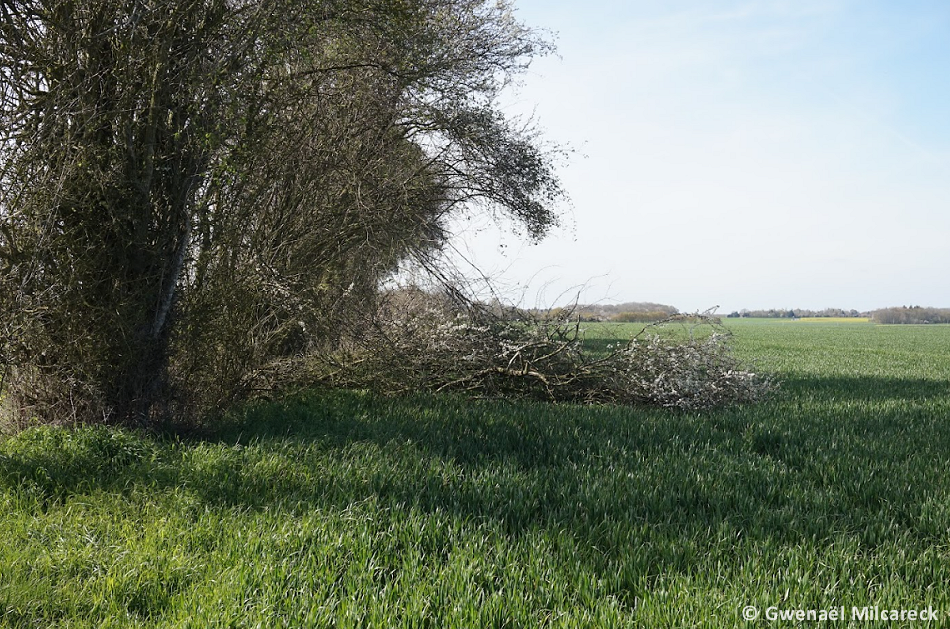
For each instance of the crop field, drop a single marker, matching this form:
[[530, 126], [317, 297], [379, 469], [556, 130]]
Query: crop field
[[833, 320], [344, 509]]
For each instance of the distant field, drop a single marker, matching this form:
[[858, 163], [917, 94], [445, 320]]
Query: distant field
[[346, 509], [833, 320]]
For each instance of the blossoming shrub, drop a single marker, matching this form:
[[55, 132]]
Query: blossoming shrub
[[425, 342]]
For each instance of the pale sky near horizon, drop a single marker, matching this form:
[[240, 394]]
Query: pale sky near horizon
[[745, 154]]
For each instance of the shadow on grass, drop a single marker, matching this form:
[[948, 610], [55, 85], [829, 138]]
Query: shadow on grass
[[868, 388], [697, 482]]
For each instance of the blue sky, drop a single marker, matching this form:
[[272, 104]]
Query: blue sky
[[740, 154]]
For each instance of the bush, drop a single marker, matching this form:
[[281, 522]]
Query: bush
[[431, 342]]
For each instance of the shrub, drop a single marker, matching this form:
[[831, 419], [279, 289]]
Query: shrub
[[421, 341]]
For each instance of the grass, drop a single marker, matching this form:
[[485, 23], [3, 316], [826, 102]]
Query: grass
[[346, 509], [833, 320]]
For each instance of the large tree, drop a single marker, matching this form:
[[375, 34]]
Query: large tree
[[194, 189]]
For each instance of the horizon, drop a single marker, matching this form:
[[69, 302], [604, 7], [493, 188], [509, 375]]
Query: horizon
[[721, 312]]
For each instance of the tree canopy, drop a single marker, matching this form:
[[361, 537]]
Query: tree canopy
[[191, 190]]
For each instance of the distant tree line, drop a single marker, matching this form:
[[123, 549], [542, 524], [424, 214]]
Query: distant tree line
[[628, 312], [795, 313], [912, 315]]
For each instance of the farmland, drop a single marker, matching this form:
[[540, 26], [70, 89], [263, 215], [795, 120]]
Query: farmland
[[339, 508]]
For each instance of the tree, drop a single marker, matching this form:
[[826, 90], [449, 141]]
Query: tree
[[195, 189]]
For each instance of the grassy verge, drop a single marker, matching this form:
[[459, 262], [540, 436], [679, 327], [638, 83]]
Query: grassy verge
[[345, 509]]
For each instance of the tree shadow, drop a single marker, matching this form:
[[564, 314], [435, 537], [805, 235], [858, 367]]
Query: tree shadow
[[679, 488], [871, 388]]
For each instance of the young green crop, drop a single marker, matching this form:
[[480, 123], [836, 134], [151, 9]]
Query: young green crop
[[339, 508]]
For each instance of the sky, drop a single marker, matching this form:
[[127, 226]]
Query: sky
[[739, 154]]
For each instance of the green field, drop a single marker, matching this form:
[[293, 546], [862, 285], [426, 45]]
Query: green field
[[346, 509]]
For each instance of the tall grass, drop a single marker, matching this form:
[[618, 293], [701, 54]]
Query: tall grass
[[345, 509]]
